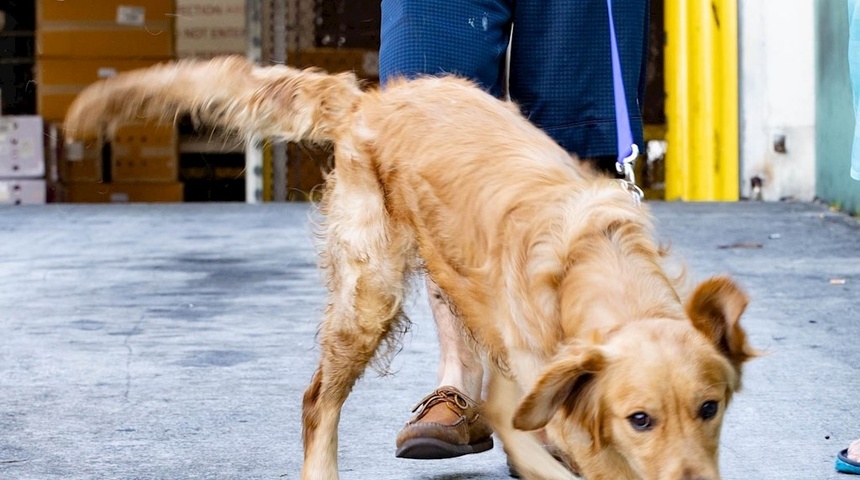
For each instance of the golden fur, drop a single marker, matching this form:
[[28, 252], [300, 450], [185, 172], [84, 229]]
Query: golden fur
[[553, 270]]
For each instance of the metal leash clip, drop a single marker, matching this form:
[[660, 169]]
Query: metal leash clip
[[628, 182]]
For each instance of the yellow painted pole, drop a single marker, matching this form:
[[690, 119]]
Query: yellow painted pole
[[677, 56], [729, 151], [701, 104], [694, 157], [705, 124]]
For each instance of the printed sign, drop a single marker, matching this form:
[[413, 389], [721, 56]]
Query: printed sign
[[131, 16]]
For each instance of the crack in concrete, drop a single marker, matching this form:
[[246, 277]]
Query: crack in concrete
[[130, 352]]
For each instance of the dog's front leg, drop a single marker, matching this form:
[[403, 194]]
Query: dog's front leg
[[530, 458]]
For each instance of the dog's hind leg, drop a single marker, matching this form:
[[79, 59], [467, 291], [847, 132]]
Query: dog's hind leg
[[367, 263], [530, 458]]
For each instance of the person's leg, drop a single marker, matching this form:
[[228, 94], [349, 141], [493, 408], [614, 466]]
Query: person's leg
[[460, 365], [851, 463], [447, 422], [561, 71], [848, 460], [467, 38], [854, 73]]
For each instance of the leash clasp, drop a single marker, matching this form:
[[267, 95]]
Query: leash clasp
[[624, 167]]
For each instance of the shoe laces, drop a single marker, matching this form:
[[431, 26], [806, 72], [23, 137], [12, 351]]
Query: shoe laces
[[445, 394]]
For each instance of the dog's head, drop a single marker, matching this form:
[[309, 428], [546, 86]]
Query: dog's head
[[648, 402]]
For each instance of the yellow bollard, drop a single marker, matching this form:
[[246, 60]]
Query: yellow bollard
[[702, 100]]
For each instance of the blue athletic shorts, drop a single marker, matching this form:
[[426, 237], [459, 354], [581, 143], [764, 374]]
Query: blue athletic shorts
[[560, 69]]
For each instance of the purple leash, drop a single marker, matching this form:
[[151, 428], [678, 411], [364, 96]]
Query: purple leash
[[627, 149]]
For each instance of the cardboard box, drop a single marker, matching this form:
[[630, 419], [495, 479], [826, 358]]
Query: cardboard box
[[92, 192], [365, 63], [61, 80], [22, 148], [137, 153], [81, 161], [105, 28], [119, 12], [208, 28], [145, 153], [22, 191]]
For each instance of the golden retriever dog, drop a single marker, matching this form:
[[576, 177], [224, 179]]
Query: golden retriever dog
[[553, 270]]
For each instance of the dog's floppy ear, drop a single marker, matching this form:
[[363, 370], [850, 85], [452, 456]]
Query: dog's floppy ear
[[564, 380], [715, 310]]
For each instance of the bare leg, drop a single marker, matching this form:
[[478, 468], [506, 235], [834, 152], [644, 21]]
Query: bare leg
[[448, 422], [854, 451], [460, 365]]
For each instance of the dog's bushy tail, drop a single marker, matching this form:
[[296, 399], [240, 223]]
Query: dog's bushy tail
[[227, 92]]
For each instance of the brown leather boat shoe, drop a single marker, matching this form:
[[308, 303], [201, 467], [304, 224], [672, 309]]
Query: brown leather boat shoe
[[446, 424]]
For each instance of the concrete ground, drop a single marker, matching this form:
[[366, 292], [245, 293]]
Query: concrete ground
[[175, 341]]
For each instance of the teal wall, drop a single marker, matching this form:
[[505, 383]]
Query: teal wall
[[834, 111]]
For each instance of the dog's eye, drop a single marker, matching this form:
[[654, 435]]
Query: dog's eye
[[709, 410], [640, 421]]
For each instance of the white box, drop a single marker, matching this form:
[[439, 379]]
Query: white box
[[208, 28], [22, 191], [22, 148]]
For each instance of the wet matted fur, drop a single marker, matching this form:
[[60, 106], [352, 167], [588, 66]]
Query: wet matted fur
[[553, 270]]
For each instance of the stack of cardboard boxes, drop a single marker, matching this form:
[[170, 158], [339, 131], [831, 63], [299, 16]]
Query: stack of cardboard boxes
[[79, 42], [211, 166], [209, 28], [337, 36]]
